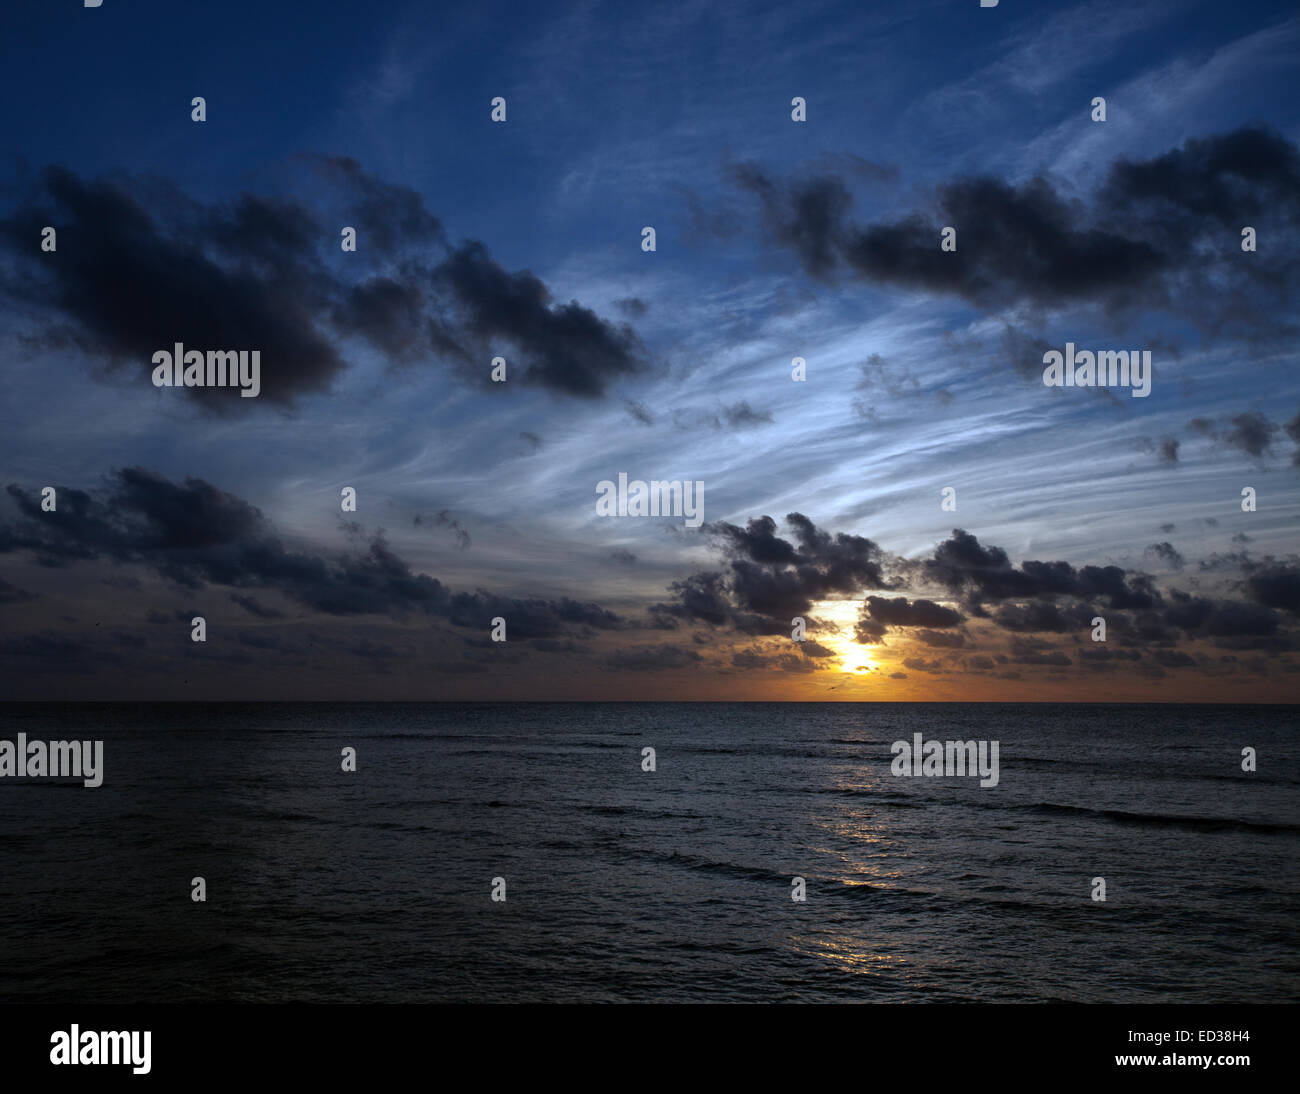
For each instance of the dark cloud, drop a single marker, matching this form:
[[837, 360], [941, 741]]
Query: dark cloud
[[372, 651], [140, 267], [876, 377], [130, 282], [1166, 553], [632, 307], [1015, 245], [1228, 179], [1276, 587], [741, 414], [44, 652], [1042, 617], [737, 416], [259, 640], [1158, 233], [443, 519], [1032, 653], [564, 347], [807, 216], [561, 645], [1219, 619], [961, 565], [748, 659], [1251, 432], [898, 612], [652, 658], [1172, 659], [197, 535], [11, 594], [1108, 653], [530, 617], [919, 664], [809, 648], [771, 580], [702, 597], [639, 411], [942, 639], [1165, 449], [388, 217], [252, 605]]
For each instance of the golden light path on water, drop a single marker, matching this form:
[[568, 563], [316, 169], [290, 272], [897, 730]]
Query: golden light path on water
[[852, 940], [860, 855]]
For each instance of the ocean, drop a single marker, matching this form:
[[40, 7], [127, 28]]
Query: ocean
[[675, 884]]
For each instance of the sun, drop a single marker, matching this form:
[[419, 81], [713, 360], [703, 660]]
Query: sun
[[842, 615]]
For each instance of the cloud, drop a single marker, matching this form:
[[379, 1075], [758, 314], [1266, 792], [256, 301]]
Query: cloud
[[632, 307], [772, 579], [963, 566], [899, 612], [566, 348], [1166, 553], [11, 594], [738, 415], [1276, 586], [807, 217], [123, 285], [141, 266], [1224, 620], [652, 658], [919, 664], [44, 652], [443, 519], [639, 411], [1154, 234], [387, 215], [1250, 432], [197, 535], [1165, 449], [252, 605], [1042, 617]]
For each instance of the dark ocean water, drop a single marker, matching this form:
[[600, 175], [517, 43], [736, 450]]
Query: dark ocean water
[[672, 885]]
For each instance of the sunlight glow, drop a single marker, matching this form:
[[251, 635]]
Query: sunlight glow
[[855, 658]]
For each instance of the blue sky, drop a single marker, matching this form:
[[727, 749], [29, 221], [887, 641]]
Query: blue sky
[[622, 116]]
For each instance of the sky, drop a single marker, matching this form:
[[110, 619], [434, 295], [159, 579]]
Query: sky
[[946, 525]]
